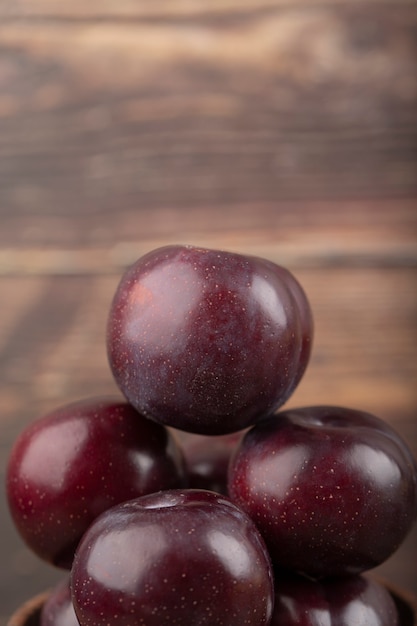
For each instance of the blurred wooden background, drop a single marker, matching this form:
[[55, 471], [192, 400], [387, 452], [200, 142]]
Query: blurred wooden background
[[287, 130]]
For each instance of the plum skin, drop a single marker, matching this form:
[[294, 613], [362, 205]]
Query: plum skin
[[332, 490], [207, 460], [340, 601], [79, 460], [58, 609], [173, 557], [208, 341]]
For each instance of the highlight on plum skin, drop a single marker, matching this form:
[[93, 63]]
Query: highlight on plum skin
[[58, 609], [208, 341], [175, 557], [207, 460], [333, 490], [344, 601], [79, 460]]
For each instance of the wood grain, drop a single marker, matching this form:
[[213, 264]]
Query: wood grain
[[53, 240], [131, 9], [275, 104]]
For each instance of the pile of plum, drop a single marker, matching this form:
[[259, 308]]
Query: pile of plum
[[193, 499]]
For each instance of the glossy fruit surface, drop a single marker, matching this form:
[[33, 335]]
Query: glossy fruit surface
[[207, 460], [177, 557], [332, 490], [71, 465], [58, 609], [346, 601], [208, 341]]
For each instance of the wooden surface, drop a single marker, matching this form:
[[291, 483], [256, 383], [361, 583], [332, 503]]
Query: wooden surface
[[271, 128], [145, 104]]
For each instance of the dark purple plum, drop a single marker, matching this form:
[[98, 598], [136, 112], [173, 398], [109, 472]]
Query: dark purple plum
[[332, 490], [174, 557], [208, 341], [207, 460], [345, 601], [71, 465], [58, 609]]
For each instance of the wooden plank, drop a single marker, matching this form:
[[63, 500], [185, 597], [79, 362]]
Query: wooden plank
[[53, 240], [161, 9], [102, 261], [292, 103], [364, 350]]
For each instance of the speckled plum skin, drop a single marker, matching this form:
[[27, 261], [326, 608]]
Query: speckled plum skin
[[71, 465], [207, 460], [345, 601], [333, 490], [208, 341], [58, 609], [177, 557]]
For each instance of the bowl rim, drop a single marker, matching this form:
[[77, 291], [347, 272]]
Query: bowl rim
[[28, 613]]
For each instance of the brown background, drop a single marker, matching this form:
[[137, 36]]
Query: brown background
[[282, 129]]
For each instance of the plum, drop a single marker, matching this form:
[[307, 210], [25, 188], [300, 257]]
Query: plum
[[333, 490], [208, 341], [79, 460], [175, 557]]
